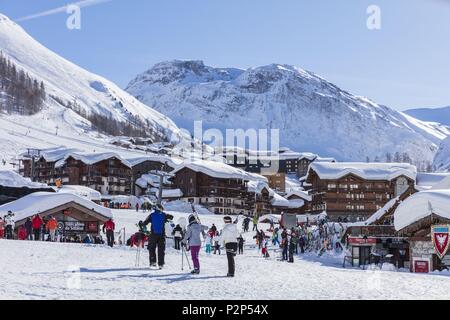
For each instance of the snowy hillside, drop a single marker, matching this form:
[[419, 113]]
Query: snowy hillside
[[66, 83], [311, 113], [442, 160], [441, 115]]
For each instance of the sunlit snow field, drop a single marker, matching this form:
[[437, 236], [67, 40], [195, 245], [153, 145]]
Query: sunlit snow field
[[38, 270]]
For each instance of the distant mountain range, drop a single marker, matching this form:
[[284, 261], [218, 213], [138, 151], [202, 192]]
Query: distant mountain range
[[441, 115], [311, 113]]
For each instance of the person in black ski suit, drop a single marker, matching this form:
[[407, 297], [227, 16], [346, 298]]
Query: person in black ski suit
[[157, 238], [29, 229], [177, 233], [240, 244]]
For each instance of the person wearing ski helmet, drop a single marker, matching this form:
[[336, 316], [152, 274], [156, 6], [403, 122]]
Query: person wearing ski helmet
[[192, 238], [157, 239], [229, 237]]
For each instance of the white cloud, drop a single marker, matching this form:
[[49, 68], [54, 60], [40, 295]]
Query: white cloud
[[81, 4]]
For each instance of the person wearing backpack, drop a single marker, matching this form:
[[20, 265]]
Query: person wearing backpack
[[177, 233], [192, 240], [157, 238]]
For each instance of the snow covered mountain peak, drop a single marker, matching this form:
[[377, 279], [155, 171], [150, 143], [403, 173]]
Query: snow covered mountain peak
[[73, 95], [185, 71], [312, 113], [67, 83]]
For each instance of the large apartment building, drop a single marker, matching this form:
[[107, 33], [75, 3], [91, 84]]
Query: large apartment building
[[354, 191]]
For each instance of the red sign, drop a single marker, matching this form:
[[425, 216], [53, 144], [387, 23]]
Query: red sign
[[440, 235], [421, 266], [359, 240]]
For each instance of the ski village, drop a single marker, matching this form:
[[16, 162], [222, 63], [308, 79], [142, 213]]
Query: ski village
[[104, 196]]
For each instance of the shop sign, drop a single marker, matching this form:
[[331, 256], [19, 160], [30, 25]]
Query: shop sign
[[421, 265], [362, 241], [440, 236]]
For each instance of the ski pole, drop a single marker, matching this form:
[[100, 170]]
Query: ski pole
[[187, 259]]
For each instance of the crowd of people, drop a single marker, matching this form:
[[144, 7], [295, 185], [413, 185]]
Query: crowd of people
[[303, 238], [39, 228], [193, 236]]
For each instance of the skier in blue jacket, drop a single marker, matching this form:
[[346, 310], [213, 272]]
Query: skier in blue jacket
[[157, 238]]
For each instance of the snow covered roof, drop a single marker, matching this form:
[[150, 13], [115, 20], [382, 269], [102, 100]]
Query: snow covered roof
[[169, 193], [53, 154], [15, 180], [279, 201], [91, 158], [302, 194], [308, 156], [218, 170], [81, 191], [422, 205], [369, 171], [426, 181], [39, 202], [172, 162]]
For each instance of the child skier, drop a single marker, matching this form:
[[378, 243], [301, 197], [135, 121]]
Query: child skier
[[216, 240], [265, 250], [240, 244], [208, 244]]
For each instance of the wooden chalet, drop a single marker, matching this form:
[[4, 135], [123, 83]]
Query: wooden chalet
[[355, 191], [76, 216], [145, 165], [217, 186], [415, 218]]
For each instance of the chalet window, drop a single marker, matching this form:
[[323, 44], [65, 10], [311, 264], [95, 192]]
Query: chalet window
[[379, 197], [360, 207], [331, 186], [354, 186], [343, 186]]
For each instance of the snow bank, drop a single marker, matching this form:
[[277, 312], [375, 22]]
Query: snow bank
[[185, 207], [369, 171], [42, 201], [15, 180], [421, 205], [426, 181]]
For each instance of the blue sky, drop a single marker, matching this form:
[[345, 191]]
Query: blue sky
[[405, 64]]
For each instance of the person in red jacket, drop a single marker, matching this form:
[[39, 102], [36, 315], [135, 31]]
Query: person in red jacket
[[2, 228], [22, 233], [37, 223], [109, 227]]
